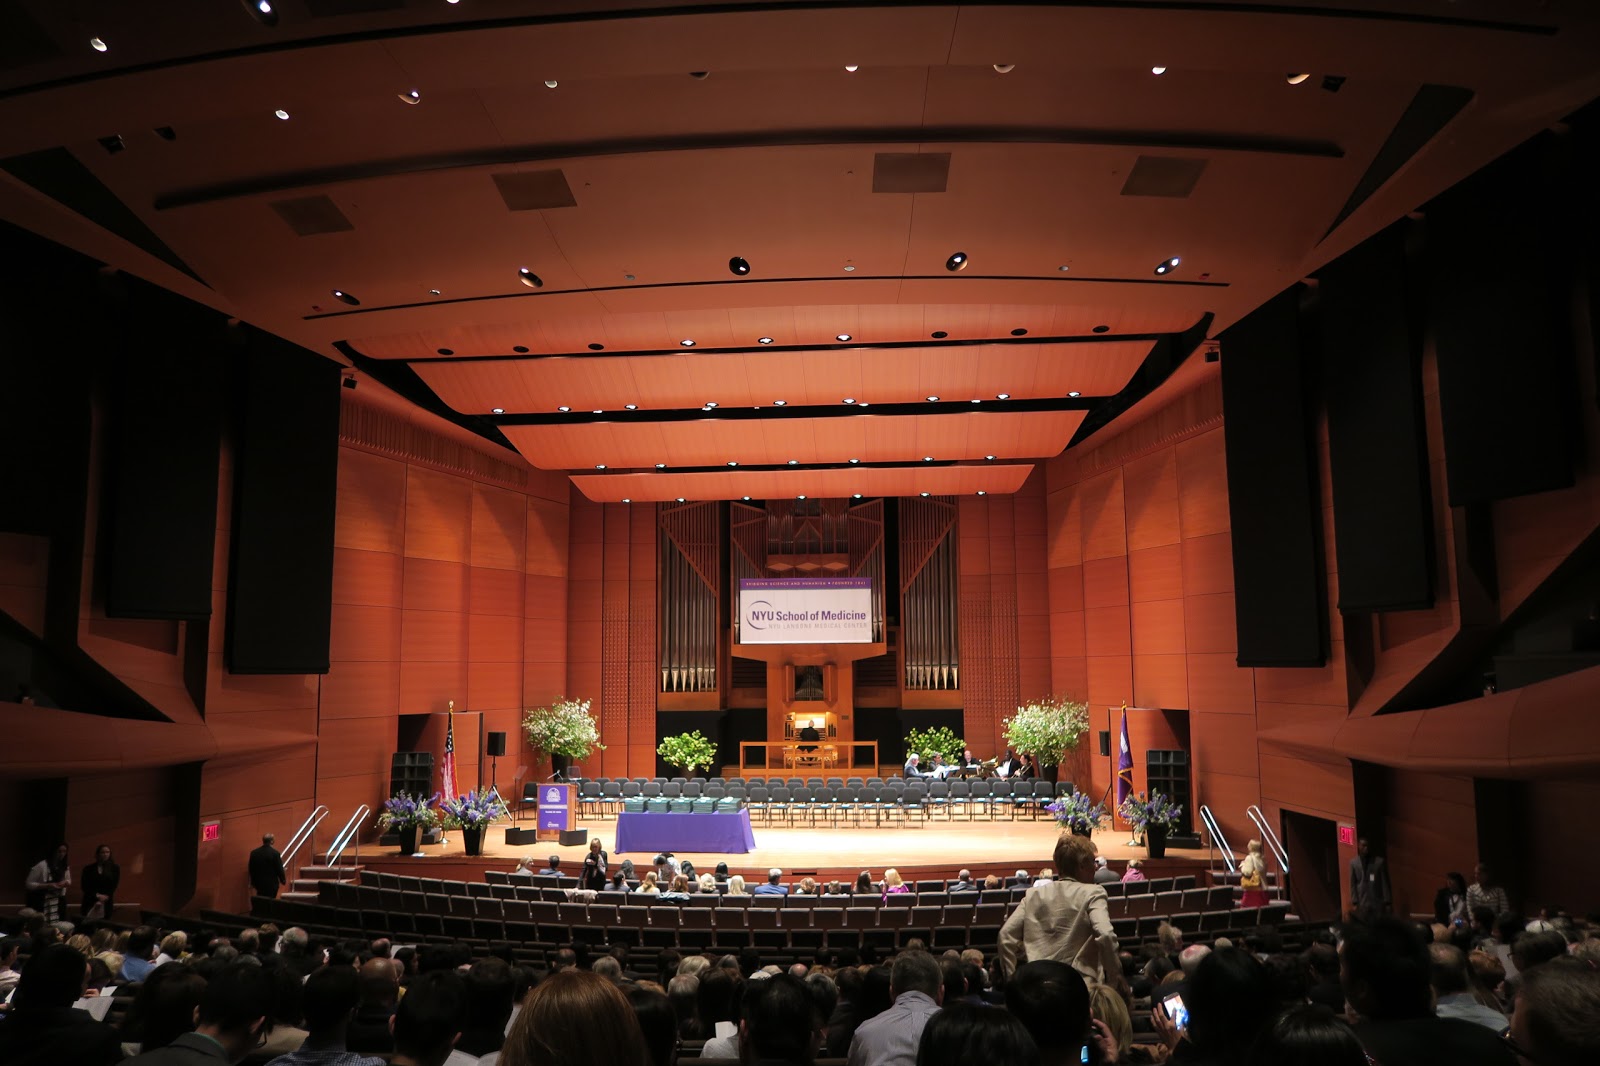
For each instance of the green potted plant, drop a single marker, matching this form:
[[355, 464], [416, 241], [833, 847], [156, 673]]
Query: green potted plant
[[686, 751], [940, 740], [408, 815], [565, 730], [472, 813], [1047, 728], [1153, 818]]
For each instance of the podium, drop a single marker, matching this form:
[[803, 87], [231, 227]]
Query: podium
[[558, 810]]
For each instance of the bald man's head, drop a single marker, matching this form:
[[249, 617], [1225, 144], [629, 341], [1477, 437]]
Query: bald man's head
[[380, 985]]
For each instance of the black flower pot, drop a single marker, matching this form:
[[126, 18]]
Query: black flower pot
[[1048, 773], [472, 839], [1085, 832], [1155, 840], [408, 840], [558, 766]]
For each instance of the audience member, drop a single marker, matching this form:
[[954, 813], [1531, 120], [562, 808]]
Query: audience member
[[1190, 957], [893, 884], [891, 1038], [1556, 1021], [1450, 904], [1308, 1035], [428, 1020], [777, 1023], [683, 992], [1103, 874], [100, 880], [10, 947], [772, 887], [1065, 920], [42, 1028], [1369, 883], [963, 1034], [574, 1018], [1051, 1000], [963, 882], [370, 1030], [1135, 871], [657, 1022], [1229, 1003], [1452, 988], [1483, 892], [163, 1010], [138, 960], [1385, 971], [1322, 962], [235, 1010], [332, 995], [736, 886]]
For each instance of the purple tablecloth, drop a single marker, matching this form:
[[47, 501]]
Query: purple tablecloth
[[726, 834]]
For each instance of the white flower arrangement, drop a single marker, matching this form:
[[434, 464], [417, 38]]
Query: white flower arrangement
[[564, 728]]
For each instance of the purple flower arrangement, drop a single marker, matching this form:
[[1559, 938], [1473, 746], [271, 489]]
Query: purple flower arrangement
[[404, 810], [1078, 812], [1157, 810], [474, 810]]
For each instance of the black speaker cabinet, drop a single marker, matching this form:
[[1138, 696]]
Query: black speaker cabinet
[[497, 743], [522, 836], [574, 836], [1167, 772], [1105, 742], [411, 771]]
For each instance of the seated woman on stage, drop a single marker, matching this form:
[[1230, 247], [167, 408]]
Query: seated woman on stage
[[736, 886], [892, 884]]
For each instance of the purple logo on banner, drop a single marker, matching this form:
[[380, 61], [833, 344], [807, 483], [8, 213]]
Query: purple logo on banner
[[552, 808]]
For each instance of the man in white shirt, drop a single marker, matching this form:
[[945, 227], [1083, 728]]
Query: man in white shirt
[[891, 1038], [1447, 968], [1067, 920]]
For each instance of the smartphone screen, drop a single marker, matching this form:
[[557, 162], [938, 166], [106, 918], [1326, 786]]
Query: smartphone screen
[[1175, 1009], [1083, 1055]]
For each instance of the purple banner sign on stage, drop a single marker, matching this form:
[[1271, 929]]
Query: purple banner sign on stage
[[552, 807]]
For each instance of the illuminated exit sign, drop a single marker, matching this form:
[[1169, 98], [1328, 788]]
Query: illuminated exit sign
[[1347, 835], [210, 831]]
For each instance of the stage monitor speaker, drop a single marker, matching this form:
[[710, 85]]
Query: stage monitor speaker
[[1105, 742], [574, 836], [497, 743], [521, 836]]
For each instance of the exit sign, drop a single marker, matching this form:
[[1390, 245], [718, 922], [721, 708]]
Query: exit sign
[[1347, 835], [210, 831]]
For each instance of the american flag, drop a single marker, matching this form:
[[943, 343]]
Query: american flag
[[447, 769]]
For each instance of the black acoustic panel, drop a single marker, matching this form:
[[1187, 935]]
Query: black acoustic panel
[[1272, 497], [160, 498], [1500, 296], [1377, 437], [280, 589]]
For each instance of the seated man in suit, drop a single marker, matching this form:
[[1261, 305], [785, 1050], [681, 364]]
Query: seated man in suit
[[912, 768], [939, 768], [772, 887]]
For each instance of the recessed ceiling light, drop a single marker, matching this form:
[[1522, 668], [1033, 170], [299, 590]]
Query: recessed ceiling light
[[863, 403], [411, 96], [445, 351], [630, 406], [1074, 394], [989, 457], [1167, 266], [1004, 68], [1019, 332], [800, 497], [283, 115], [661, 466], [956, 261], [981, 492], [596, 346], [345, 298], [699, 75], [1101, 329], [435, 292], [857, 496], [710, 404], [687, 342], [1158, 71], [97, 44], [625, 499], [938, 334], [976, 400], [849, 267], [794, 462], [262, 11], [599, 411], [520, 349], [1063, 268], [780, 403], [1296, 79], [933, 399], [529, 278], [497, 410], [746, 497], [1002, 396], [855, 460], [842, 337], [680, 499], [852, 67], [849, 400], [739, 265], [927, 458], [563, 408], [927, 494], [599, 466], [629, 277], [763, 340], [550, 83], [732, 463]]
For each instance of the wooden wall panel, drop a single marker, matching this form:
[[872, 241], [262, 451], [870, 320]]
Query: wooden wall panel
[[1105, 581], [360, 690], [1150, 492], [367, 578], [1217, 684], [494, 639], [1064, 532], [548, 527], [370, 514], [1208, 564], [438, 515], [496, 592], [1431, 829], [133, 812], [1160, 681], [1208, 624], [1110, 680], [1157, 629], [1106, 631], [499, 528], [433, 636], [364, 634], [1203, 485], [1105, 530], [1155, 573], [428, 686]]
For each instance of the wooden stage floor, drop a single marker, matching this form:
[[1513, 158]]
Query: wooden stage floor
[[937, 849]]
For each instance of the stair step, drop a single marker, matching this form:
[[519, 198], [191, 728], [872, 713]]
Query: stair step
[[342, 872], [300, 897]]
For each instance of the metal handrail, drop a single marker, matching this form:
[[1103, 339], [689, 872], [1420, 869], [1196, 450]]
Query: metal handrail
[[1217, 836], [347, 834], [1272, 842], [303, 834]]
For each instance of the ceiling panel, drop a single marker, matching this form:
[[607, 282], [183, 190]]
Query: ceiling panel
[[765, 442], [819, 484]]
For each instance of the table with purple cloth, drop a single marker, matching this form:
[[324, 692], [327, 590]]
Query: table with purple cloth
[[655, 832]]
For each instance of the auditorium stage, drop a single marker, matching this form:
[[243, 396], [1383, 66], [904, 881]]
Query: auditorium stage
[[936, 850]]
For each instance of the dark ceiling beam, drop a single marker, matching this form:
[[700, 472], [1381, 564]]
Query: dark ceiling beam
[[769, 412], [770, 468], [777, 349], [518, 155]]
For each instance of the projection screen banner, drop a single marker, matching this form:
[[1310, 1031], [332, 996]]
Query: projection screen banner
[[814, 610]]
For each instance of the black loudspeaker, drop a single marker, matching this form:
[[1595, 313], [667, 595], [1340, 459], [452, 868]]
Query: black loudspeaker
[[497, 743], [574, 836], [521, 836], [1167, 772], [1105, 742]]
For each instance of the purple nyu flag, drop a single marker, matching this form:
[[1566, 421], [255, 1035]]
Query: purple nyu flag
[[1124, 762]]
